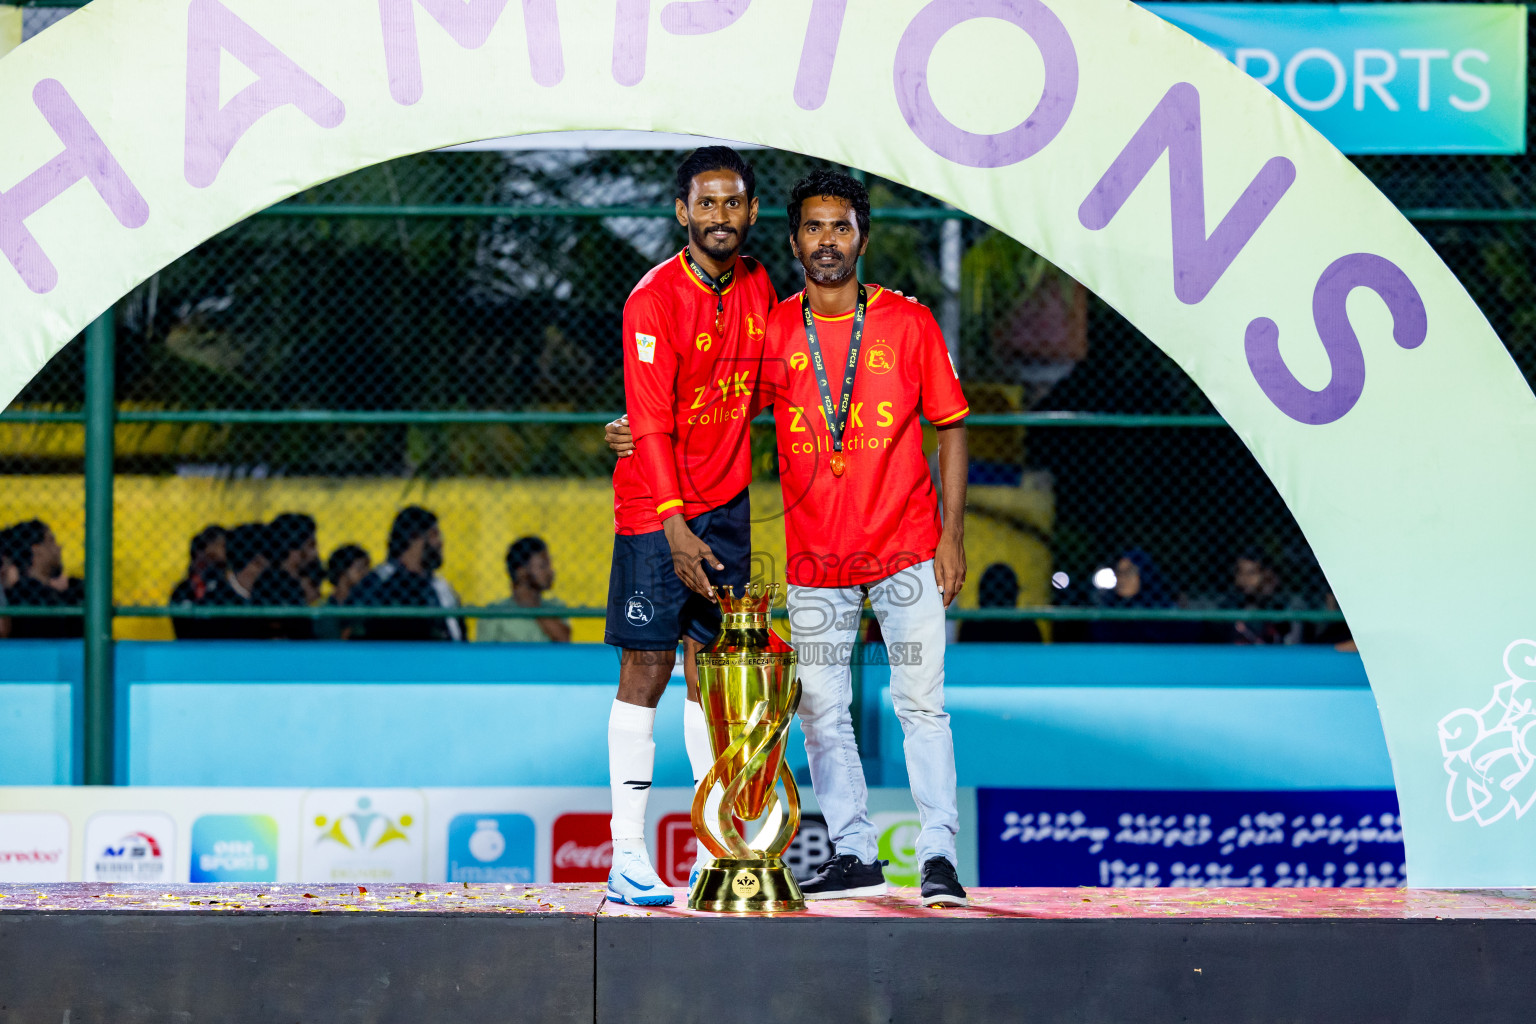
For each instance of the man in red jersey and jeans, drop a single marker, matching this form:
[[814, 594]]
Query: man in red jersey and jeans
[[693, 337], [849, 369]]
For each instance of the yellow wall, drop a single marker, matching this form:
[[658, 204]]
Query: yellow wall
[[157, 517]]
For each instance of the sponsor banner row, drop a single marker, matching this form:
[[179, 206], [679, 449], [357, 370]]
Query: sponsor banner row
[[1031, 837], [484, 835]]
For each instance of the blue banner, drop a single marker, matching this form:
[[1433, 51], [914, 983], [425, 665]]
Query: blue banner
[[1381, 78], [1187, 838]]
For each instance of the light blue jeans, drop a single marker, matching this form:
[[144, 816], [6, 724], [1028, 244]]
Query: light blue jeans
[[824, 624]]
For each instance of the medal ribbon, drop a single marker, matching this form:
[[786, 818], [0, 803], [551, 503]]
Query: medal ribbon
[[837, 421], [716, 285]]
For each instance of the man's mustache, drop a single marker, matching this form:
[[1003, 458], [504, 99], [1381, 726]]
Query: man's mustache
[[829, 254]]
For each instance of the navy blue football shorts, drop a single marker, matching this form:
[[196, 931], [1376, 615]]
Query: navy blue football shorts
[[649, 608]]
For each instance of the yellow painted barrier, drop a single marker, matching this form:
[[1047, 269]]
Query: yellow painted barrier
[[157, 516]]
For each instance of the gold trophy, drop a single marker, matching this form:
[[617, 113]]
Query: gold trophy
[[749, 692]]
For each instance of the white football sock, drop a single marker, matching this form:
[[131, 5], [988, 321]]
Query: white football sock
[[631, 763], [696, 739]]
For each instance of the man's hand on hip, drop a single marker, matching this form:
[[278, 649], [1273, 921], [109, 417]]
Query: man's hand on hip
[[690, 555]]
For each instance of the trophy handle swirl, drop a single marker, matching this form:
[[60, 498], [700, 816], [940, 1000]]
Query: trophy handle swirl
[[734, 845]]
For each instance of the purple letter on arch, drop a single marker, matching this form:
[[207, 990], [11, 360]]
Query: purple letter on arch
[[1410, 326], [632, 22], [952, 143], [212, 131], [1174, 126], [85, 156], [470, 26], [819, 53]]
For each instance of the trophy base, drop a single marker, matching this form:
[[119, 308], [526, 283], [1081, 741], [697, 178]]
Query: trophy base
[[740, 886]]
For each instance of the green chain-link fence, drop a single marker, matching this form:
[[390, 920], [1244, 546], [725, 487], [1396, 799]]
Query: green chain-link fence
[[442, 330]]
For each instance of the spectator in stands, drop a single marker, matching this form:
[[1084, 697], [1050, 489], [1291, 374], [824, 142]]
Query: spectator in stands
[[1137, 585], [247, 560], [1256, 587], [9, 576], [346, 568], [293, 578], [531, 574], [999, 588], [207, 559], [1335, 633], [41, 583], [408, 579]]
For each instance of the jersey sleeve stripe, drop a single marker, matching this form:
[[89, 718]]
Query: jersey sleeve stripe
[[663, 508], [944, 421]]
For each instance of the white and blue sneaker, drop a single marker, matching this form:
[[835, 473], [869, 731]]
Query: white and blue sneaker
[[705, 860], [632, 880]]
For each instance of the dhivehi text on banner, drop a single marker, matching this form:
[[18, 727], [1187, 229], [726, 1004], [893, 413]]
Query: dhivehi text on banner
[[1381, 78]]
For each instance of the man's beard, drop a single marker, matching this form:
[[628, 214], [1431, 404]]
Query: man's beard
[[722, 250], [432, 559], [833, 275]]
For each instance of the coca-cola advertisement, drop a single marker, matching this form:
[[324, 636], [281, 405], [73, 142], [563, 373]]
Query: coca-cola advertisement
[[581, 848]]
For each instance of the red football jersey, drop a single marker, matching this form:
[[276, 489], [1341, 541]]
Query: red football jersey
[[882, 514], [685, 380]]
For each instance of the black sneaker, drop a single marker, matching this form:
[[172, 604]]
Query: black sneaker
[[941, 886], [845, 876]]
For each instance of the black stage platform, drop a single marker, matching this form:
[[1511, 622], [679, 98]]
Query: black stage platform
[[117, 954]]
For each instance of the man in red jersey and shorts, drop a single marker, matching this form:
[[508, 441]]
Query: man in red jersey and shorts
[[849, 369], [693, 337]]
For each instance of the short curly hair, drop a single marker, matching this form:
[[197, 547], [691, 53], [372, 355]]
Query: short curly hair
[[835, 184], [714, 158]]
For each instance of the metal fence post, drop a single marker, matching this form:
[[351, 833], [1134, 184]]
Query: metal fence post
[[100, 400]]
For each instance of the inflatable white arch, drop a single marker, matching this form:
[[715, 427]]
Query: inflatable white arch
[[1316, 319]]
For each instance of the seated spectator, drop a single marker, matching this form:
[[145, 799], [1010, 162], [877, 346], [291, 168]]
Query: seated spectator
[[1137, 585], [531, 574], [9, 575], [206, 559], [41, 583], [999, 588], [247, 560], [1256, 587], [408, 579], [346, 568], [293, 578], [1335, 633]]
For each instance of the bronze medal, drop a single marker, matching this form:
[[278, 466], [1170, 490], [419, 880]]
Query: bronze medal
[[839, 464]]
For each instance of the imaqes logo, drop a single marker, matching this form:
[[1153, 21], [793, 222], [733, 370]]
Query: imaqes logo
[[363, 836], [234, 848], [34, 847], [490, 848], [129, 847]]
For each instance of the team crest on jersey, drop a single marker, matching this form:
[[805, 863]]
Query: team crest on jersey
[[702, 342], [645, 347], [799, 361], [881, 359], [756, 328]]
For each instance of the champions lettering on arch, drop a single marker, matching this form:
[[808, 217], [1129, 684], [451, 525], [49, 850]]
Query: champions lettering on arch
[[1173, 127]]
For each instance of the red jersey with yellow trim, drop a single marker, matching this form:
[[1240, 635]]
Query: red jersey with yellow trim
[[685, 379], [882, 514]]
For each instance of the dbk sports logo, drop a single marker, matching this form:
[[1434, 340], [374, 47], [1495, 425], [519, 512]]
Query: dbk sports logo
[[582, 848]]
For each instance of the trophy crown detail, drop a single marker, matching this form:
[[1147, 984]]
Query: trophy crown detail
[[758, 599]]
